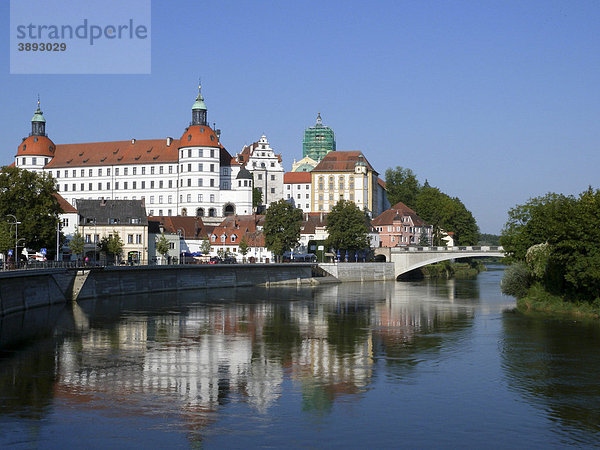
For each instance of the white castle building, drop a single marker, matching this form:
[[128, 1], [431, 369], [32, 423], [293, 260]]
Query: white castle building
[[193, 175]]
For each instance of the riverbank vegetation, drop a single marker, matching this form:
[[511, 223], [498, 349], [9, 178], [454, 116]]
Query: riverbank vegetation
[[553, 243]]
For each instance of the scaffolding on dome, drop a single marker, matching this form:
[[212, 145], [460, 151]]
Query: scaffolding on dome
[[318, 141]]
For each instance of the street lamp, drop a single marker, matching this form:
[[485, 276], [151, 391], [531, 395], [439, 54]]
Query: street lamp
[[179, 232], [16, 224]]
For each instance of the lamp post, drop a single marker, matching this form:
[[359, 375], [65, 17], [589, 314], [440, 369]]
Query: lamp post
[[16, 224], [179, 232], [57, 240]]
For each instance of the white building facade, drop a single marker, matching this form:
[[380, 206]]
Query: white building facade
[[193, 175]]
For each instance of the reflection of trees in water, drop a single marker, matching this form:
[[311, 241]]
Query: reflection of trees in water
[[556, 363]]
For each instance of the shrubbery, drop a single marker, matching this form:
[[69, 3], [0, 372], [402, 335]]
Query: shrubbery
[[516, 280]]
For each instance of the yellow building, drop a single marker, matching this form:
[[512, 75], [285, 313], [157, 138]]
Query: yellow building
[[347, 175]]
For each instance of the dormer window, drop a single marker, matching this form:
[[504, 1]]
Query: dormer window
[[35, 139], [189, 137], [113, 220], [223, 237], [213, 238], [24, 147]]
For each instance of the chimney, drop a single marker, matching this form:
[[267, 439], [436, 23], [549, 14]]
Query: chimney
[[321, 217], [133, 140], [169, 140], [218, 133]]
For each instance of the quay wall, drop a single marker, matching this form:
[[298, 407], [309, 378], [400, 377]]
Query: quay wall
[[25, 289], [370, 271]]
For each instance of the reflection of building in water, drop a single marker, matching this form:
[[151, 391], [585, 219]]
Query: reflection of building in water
[[201, 358]]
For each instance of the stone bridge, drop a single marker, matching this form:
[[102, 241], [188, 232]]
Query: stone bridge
[[406, 259]]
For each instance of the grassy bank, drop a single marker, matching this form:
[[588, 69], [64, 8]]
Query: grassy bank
[[538, 300]]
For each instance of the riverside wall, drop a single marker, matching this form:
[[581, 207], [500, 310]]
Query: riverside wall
[[370, 271], [26, 289]]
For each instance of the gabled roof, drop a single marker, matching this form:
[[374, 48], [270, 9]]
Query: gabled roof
[[103, 212], [395, 213], [340, 161], [115, 153], [190, 227], [296, 177], [312, 221], [65, 206], [242, 225]]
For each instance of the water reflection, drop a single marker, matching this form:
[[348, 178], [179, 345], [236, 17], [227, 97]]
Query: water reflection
[[554, 363], [186, 355]]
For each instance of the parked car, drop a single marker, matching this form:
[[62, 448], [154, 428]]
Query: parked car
[[229, 260]]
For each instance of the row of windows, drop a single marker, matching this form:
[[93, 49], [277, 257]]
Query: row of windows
[[260, 177], [188, 198], [200, 153], [289, 186], [100, 171], [350, 196], [341, 182], [125, 185], [34, 161], [262, 164], [299, 196], [260, 189], [200, 168]]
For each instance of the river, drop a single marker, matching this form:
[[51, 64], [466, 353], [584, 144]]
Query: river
[[371, 365]]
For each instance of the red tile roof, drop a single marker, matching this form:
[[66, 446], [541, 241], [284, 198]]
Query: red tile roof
[[296, 177], [190, 227], [198, 136], [65, 205], [339, 161], [36, 146], [115, 153], [395, 213], [242, 225]]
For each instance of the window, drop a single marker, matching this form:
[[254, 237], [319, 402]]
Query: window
[[351, 182], [189, 182], [272, 164], [189, 167], [151, 212], [225, 184], [189, 198], [212, 182], [289, 186], [66, 171], [34, 160], [130, 238], [151, 199], [170, 199], [200, 167], [212, 153], [212, 167], [331, 183], [143, 171], [134, 185], [74, 173], [152, 185], [260, 176], [88, 238], [273, 191], [90, 186], [308, 186], [212, 198], [160, 184], [307, 195], [200, 198], [272, 177], [160, 199], [125, 185], [298, 196], [199, 181], [113, 220], [125, 171], [134, 170], [152, 170], [82, 186], [108, 186], [189, 153], [321, 181], [108, 172], [138, 237], [170, 169], [117, 171], [74, 187], [57, 172]]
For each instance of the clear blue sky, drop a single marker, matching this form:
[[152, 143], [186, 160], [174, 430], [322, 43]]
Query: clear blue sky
[[493, 102]]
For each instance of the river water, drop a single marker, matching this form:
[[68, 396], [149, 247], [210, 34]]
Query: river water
[[412, 364]]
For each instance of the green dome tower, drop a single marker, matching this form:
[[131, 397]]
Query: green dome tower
[[318, 141]]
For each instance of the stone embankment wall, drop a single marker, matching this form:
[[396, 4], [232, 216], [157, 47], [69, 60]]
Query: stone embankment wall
[[22, 290], [360, 271]]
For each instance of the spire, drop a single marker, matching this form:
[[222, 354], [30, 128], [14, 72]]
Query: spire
[[38, 123], [319, 120], [199, 109]]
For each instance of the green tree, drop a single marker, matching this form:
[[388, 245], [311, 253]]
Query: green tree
[[447, 213], [205, 246], [402, 186], [347, 227], [112, 245], [29, 196], [257, 198], [423, 240], [162, 245], [282, 227], [244, 247], [76, 244]]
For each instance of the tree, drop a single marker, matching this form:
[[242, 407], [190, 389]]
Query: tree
[[347, 226], [76, 244], [402, 186], [423, 240], [244, 247], [282, 227], [112, 245], [205, 246], [162, 245], [447, 213], [256, 198], [29, 197]]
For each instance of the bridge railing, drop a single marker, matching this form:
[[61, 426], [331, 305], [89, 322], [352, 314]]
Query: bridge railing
[[455, 249]]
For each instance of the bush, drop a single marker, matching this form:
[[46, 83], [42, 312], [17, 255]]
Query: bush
[[516, 280]]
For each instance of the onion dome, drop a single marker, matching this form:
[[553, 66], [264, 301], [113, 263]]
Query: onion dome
[[199, 136], [199, 103]]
